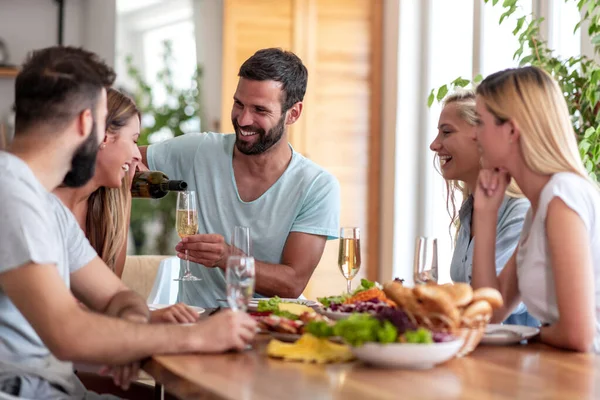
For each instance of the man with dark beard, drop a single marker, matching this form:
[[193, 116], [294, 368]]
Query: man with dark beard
[[255, 179], [46, 263]]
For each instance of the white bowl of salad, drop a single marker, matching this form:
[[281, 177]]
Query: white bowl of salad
[[390, 340]]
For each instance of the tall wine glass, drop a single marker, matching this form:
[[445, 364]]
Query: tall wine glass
[[349, 256], [425, 267], [239, 278], [186, 220], [241, 244]]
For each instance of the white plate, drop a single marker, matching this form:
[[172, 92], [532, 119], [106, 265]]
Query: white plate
[[152, 307], [253, 304], [501, 334], [335, 315], [292, 337], [407, 355]]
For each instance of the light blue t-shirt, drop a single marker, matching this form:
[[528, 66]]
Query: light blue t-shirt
[[306, 198]]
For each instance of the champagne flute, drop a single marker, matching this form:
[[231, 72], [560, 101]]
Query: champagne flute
[[241, 244], [425, 266], [239, 278], [349, 256], [186, 220]]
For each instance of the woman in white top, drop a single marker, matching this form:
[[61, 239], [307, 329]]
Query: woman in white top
[[525, 132]]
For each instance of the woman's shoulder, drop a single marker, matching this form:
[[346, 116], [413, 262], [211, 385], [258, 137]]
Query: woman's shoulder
[[571, 188]]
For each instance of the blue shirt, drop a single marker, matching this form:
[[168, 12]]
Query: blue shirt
[[511, 216], [306, 198]]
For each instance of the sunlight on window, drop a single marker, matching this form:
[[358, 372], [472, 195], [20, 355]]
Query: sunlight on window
[[451, 56], [181, 36], [499, 44], [564, 41]]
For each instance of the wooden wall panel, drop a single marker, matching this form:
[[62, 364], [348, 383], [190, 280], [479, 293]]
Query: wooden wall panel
[[250, 25]]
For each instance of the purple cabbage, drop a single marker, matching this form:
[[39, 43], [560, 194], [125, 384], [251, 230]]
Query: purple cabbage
[[372, 306], [398, 318]]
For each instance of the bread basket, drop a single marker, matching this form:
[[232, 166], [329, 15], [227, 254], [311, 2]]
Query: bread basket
[[470, 328]]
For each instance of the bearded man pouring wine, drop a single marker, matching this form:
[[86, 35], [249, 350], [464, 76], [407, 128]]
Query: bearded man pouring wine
[[254, 178]]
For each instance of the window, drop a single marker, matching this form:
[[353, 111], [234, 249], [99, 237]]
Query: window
[[498, 44], [563, 40], [451, 56], [181, 36], [143, 27]]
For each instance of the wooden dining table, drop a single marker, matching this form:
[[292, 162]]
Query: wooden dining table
[[526, 371]]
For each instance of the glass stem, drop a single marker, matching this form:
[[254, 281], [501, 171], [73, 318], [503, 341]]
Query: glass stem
[[187, 263], [349, 286]]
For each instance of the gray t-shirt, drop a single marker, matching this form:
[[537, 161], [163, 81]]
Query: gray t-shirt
[[34, 227]]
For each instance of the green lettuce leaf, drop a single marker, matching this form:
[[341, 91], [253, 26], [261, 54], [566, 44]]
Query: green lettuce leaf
[[269, 305], [319, 329]]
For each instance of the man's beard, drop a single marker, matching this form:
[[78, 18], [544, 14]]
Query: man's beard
[[265, 140], [83, 164]]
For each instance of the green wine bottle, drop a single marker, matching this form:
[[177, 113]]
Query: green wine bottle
[[154, 185]]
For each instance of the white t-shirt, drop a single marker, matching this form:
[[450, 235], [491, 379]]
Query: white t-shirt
[[534, 269], [34, 227]]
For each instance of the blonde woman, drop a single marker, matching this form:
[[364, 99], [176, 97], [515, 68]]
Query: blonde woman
[[459, 160], [102, 205], [525, 132]]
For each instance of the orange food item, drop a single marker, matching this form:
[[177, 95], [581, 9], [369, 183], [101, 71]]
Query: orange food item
[[373, 293]]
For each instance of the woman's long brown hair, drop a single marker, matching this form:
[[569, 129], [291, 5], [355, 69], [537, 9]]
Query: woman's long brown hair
[[108, 208]]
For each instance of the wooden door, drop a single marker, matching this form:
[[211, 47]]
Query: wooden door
[[340, 43]]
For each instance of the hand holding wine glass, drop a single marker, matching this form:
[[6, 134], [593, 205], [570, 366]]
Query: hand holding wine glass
[[187, 225], [349, 255]]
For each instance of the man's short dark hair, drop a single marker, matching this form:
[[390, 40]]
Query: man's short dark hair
[[275, 64], [56, 84]]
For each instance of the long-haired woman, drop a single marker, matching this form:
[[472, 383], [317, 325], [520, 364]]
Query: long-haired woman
[[525, 133]]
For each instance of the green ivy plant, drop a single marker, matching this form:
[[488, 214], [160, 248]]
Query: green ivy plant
[[180, 107], [578, 77]]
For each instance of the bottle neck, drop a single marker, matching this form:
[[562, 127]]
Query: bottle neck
[[174, 186]]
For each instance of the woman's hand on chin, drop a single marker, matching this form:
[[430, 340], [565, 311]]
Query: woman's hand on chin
[[490, 189]]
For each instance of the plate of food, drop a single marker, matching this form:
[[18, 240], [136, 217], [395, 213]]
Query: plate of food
[[367, 298], [253, 305], [153, 307], [285, 321], [390, 340], [507, 334]]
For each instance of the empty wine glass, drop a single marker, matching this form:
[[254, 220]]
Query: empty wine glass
[[186, 220], [239, 278], [349, 255], [241, 244], [425, 267]]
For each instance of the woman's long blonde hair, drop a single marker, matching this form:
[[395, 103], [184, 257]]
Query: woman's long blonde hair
[[465, 104], [106, 220], [532, 99]]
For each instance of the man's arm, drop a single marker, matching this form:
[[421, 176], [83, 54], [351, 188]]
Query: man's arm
[[99, 289], [74, 334], [301, 255], [144, 153]]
